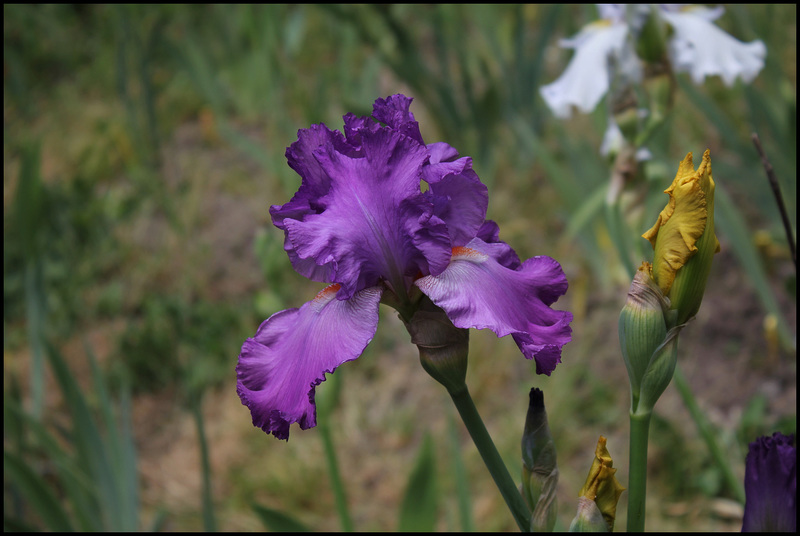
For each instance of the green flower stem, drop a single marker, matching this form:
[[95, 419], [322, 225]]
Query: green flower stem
[[497, 468], [707, 432], [637, 471], [336, 480]]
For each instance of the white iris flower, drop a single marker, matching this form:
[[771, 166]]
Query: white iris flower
[[603, 50], [701, 49]]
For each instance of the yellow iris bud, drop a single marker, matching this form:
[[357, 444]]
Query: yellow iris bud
[[602, 487], [683, 238]]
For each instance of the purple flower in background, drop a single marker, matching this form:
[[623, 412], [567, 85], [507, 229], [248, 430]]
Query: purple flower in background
[[362, 222], [770, 485]]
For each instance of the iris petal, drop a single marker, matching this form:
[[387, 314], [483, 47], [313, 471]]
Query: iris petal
[[281, 366], [770, 484], [306, 201], [476, 291], [587, 77], [461, 199], [363, 230], [702, 49]]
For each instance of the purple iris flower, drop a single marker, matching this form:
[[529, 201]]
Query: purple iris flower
[[770, 485], [362, 221]]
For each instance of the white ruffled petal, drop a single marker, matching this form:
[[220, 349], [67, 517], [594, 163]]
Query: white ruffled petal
[[702, 49], [586, 79]]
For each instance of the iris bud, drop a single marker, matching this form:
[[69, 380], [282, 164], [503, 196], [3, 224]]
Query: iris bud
[[443, 348], [589, 517], [539, 467], [683, 238], [651, 44], [642, 324], [602, 488]]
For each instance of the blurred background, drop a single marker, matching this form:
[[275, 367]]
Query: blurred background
[[142, 148]]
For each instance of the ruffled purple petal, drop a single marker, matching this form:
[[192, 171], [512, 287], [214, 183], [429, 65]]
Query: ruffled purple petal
[[461, 199], [770, 485], [306, 201], [395, 112], [476, 291], [490, 233], [363, 233], [281, 366]]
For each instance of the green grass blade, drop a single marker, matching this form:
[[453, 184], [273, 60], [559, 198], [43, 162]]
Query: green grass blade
[[418, 510], [731, 224], [209, 522], [29, 205], [460, 476], [90, 447], [276, 521], [327, 400], [38, 493], [75, 483]]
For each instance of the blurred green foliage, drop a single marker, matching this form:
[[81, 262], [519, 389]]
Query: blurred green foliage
[[99, 234]]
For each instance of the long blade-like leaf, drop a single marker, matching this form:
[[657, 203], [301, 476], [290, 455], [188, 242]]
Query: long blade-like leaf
[[419, 507]]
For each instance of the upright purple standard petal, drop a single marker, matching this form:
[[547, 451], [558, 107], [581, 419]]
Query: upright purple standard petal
[[770, 485], [280, 367], [395, 112], [307, 200], [366, 231], [458, 194], [477, 291]]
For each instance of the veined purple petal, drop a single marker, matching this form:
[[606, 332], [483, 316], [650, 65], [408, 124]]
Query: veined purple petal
[[281, 366], [770, 485], [363, 231], [476, 291]]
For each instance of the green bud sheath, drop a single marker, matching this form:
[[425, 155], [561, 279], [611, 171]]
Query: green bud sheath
[[589, 518], [659, 373], [642, 327], [539, 466], [443, 348]]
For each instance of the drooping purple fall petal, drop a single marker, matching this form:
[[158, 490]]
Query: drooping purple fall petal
[[280, 367], [476, 291]]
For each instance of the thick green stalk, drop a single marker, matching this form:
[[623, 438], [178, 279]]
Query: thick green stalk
[[707, 431], [488, 451], [637, 471]]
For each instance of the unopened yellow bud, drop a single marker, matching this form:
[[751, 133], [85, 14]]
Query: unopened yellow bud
[[683, 238], [601, 485]]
